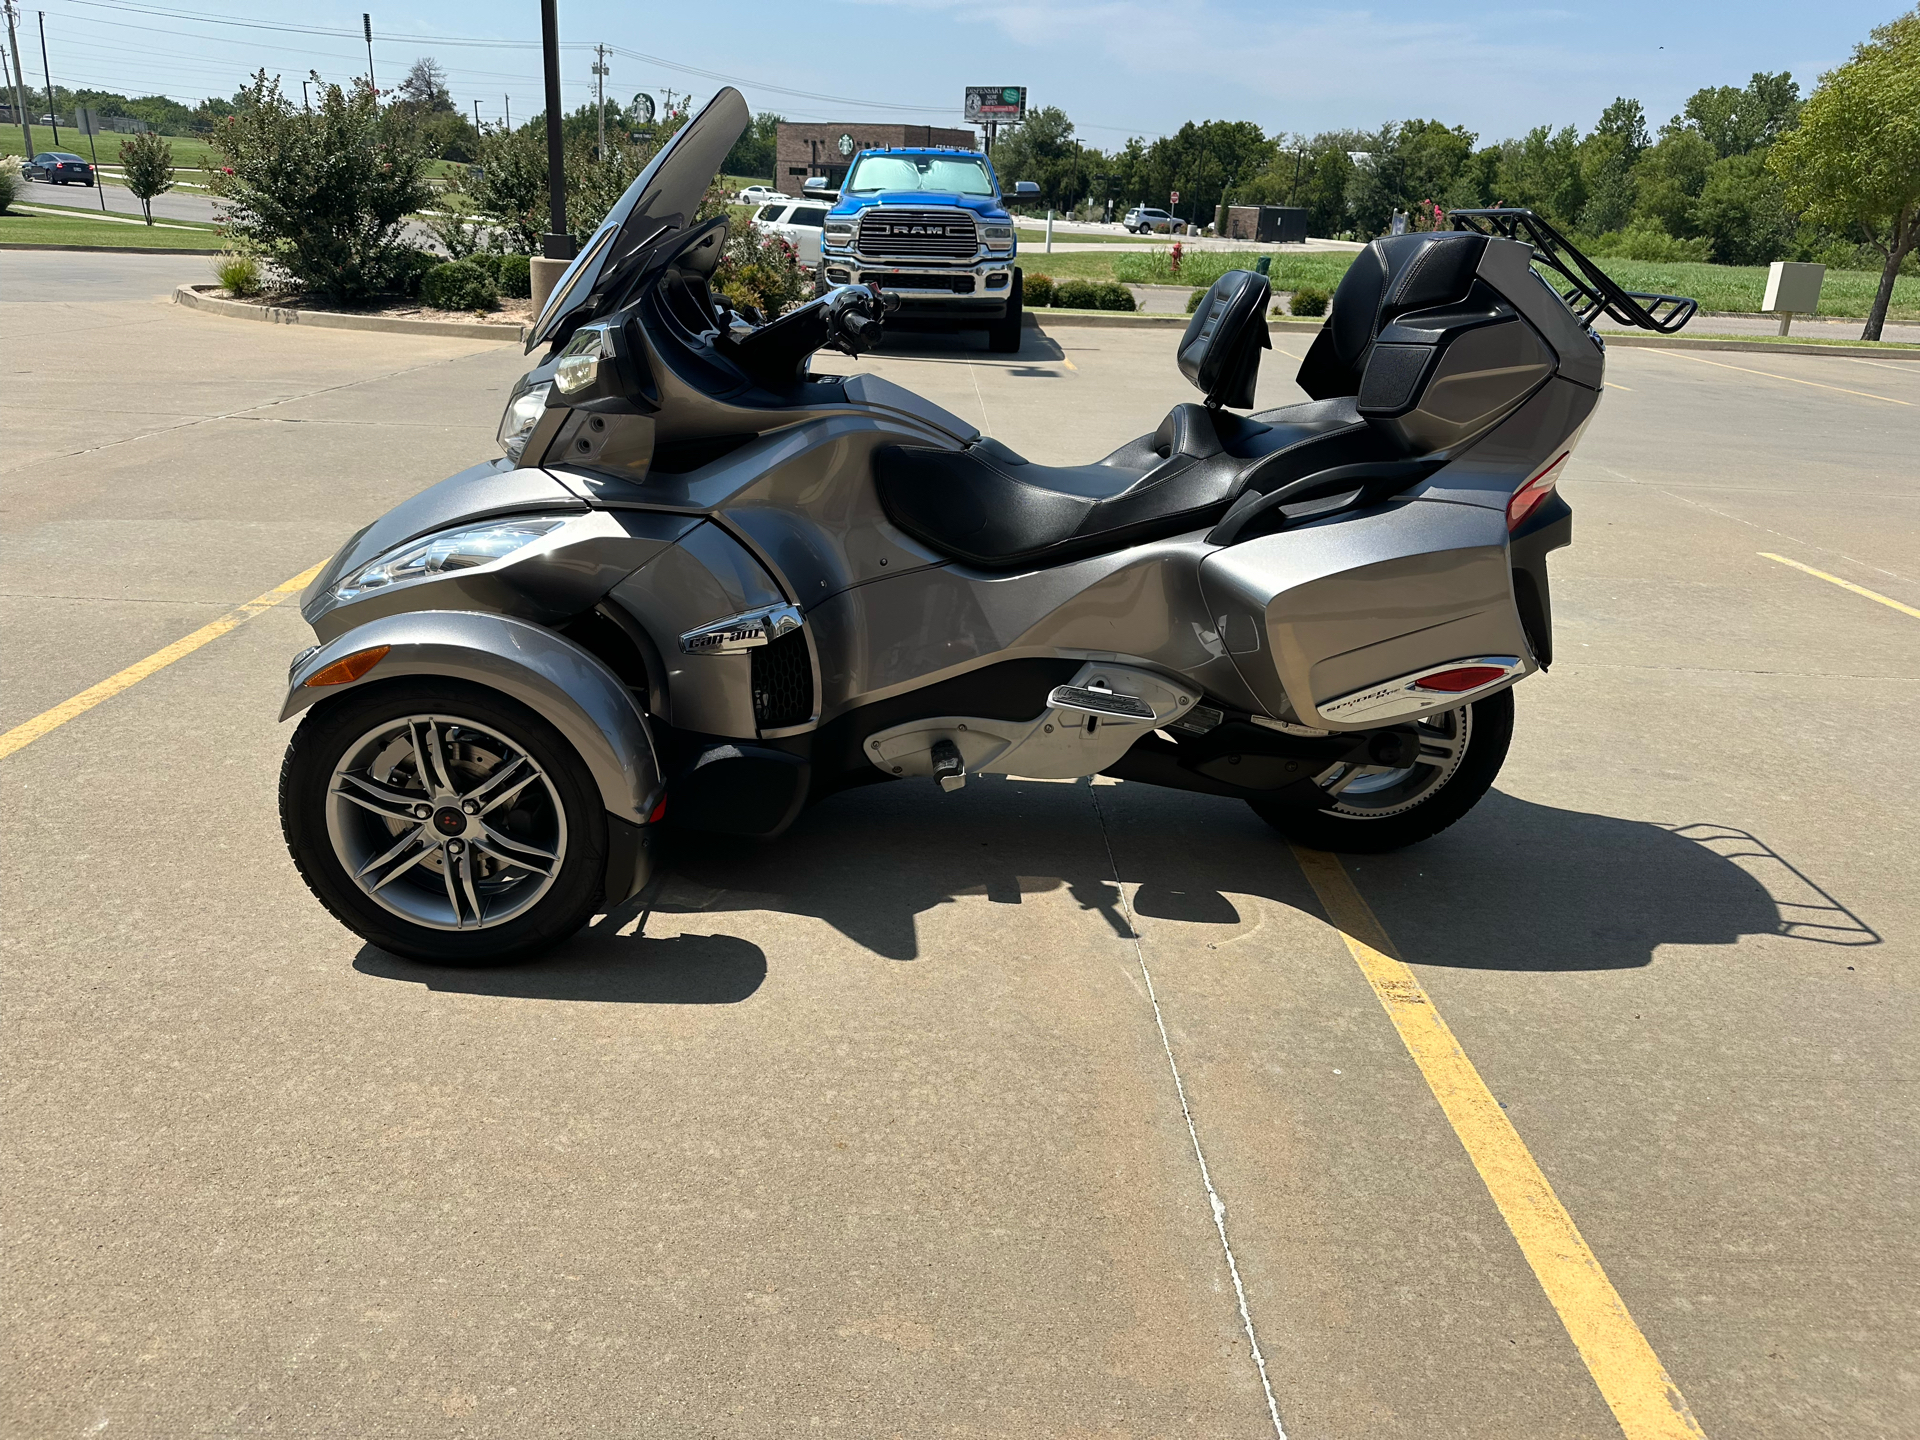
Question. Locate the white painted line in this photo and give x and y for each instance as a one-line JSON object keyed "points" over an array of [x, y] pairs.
{"points": [[1214, 1202]]}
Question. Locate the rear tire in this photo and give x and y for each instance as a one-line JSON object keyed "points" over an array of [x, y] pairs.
{"points": [[522, 875], [1397, 811]]}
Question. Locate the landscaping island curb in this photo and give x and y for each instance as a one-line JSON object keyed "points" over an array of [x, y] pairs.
{"points": [[107, 249], [1045, 318], [197, 297]]}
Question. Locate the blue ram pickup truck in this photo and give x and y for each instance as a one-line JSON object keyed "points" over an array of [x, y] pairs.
{"points": [[931, 225]]}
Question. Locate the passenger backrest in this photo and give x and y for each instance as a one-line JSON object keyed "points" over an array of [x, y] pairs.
{"points": [[1392, 276], [1220, 353]]}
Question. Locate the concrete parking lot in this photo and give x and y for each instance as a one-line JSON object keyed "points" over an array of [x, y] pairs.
{"points": [[1026, 1110]]}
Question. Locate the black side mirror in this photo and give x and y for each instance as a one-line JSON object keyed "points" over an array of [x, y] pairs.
{"points": [[1025, 189]]}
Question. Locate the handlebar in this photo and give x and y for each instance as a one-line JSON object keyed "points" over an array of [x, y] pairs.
{"points": [[856, 317]]}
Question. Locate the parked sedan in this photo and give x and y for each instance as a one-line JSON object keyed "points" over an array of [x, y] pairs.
{"points": [[798, 222], [1142, 220], [759, 195], [57, 167]]}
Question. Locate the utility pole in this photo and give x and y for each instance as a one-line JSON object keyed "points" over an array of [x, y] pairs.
{"points": [[53, 107], [19, 81], [506, 103], [366, 24], [476, 114], [558, 242], [306, 103], [600, 73]]}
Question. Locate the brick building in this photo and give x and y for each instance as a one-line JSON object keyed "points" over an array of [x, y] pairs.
{"points": [[801, 151]]}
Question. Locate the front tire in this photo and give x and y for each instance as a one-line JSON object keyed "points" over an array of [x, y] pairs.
{"points": [[1003, 336], [1379, 809], [444, 822]]}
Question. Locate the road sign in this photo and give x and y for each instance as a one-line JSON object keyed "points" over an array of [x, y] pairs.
{"points": [[1006, 103], [1173, 197]]}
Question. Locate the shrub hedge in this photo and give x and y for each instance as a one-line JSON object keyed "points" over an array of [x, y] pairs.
{"points": [[1036, 291], [459, 285], [1309, 300]]}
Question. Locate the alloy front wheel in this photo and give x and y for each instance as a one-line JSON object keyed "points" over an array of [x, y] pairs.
{"points": [[444, 822]]}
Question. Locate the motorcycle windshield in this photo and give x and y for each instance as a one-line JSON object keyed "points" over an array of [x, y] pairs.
{"points": [[656, 207]]}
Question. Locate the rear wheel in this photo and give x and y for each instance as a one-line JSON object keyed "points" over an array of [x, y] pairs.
{"points": [[1375, 808], [444, 822]]}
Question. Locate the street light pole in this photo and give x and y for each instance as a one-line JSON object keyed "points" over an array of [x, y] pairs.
{"points": [[600, 93], [366, 25], [306, 101], [19, 81], [53, 108], [557, 243]]}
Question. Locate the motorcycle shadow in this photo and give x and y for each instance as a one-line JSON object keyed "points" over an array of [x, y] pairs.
{"points": [[686, 969], [1515, 886]]}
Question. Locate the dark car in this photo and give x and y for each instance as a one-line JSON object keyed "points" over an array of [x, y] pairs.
{"points": [[58, 168]]}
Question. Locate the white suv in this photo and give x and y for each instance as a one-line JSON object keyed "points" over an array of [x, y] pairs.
{"points": [[798, 222], [1142, 220]]}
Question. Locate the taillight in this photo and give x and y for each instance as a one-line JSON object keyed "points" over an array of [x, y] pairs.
{"points": [[1536, 489], [1467, 677]]}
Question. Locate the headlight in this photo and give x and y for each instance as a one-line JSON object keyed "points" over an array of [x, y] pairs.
{"points": [[521, 415], [579, 363], [998, 237], [838, 232], [443, 553]]}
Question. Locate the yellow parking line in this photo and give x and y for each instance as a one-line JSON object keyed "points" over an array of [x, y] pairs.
{"points": [[1843, 584], [1631, 1378], [48, 720], [1793, 379]]}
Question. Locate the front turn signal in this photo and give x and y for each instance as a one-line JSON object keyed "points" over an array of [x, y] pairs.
{"points": [[349, 668]]}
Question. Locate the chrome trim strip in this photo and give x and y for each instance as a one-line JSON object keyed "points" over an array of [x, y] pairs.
{"points": [[1394, 699], [738, 633]]}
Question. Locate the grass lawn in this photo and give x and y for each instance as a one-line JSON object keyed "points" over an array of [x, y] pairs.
{"points": [[1735, 288], [41, 229], [1036, 236], [188, 154]]}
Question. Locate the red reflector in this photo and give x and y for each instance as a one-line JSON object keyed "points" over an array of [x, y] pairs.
{"points": [[350, 668], [1537, 488], [1467, 677], [659, 810]]}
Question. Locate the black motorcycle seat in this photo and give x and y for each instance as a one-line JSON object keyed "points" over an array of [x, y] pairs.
{"points": [[990, 507]]}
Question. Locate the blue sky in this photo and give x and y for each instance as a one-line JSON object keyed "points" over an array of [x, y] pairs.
{"points": [[1118, 67]]}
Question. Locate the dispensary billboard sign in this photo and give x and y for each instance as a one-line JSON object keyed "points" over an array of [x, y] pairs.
{"points": [[996, 102]]}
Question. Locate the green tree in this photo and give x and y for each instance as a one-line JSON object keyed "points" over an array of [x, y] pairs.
{"points": [[1541, 171], [148, 162], [1735, 122], [753, 152], [1853, 164], [1042, 149], [511, 188], [323, 195], [1607, 160], [1742, 212], [1669, 179], [1416, 163]]}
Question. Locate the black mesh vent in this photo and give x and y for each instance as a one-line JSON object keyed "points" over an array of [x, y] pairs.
{"points": [[783, 682]]}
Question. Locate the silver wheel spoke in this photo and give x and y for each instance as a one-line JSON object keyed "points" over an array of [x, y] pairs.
{"points": [[428, 758], [465, 863], [516, 852], [492, 792], [385, 800], [447, 864], [416, 838]]}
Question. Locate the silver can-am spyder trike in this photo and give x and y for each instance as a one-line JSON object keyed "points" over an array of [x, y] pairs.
{"points": [[708, 585]]}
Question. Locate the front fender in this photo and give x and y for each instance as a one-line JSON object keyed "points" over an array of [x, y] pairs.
{"points": [[567, 687]]}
